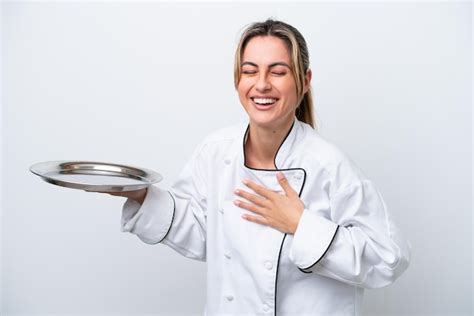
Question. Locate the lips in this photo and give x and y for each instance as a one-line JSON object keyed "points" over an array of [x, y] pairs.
{"points": [[263, 103]]}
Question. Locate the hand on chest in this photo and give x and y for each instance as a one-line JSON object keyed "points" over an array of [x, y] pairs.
{"points": [[262, 205]]}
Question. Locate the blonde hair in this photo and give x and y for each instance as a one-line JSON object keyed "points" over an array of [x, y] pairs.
{"points": [[299, 60]]}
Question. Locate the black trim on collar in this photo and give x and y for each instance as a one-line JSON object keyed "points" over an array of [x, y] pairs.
{"points": [[274, 158], [334, 236], [172, 219]]}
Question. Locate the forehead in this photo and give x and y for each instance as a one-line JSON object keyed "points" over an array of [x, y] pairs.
{"points": [[266, 50]]}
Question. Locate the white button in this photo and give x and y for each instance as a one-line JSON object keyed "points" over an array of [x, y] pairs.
{"points": [[268, 265], [221, 210], [227, 161], [266, 308], [227, 255], [297, 176], [229, 297]]}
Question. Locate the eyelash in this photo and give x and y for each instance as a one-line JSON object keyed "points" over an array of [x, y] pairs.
{"points": [[251, 72]]}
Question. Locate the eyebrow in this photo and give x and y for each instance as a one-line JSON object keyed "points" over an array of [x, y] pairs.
{"points": [[278, 63]]}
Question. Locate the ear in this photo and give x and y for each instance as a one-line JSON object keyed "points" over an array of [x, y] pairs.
{"points": [[307, 80]]}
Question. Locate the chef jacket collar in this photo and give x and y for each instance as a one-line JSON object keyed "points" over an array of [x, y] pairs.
{"points": [[283, 151]]}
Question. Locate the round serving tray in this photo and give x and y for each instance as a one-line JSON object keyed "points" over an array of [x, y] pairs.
{"points": [[95, 176]]}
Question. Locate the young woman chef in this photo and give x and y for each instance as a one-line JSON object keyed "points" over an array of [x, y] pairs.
{"points": [[287, 223]]}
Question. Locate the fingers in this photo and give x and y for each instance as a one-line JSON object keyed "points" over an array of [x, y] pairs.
{"points": [[264, 192], [282, 180], [285, 184], [255, 219], [249, 206], [251, 197], [259, 218]]}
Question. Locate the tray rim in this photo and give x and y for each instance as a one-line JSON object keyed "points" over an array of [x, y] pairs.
{"points": [[41, 168]]}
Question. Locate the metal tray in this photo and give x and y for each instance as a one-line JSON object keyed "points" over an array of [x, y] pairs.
{"points": [[95, 176]]}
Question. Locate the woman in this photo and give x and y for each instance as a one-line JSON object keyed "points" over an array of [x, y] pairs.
{"points": [[287, 223]]}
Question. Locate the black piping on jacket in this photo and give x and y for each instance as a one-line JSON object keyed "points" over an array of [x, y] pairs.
{"points": [[284, 236], [322, 256], [172, 219], [299, 194]]}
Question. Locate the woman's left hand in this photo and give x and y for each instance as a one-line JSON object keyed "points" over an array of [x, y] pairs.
{"points": [[280, 211]]}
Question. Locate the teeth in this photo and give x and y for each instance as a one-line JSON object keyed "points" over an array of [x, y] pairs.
{"points": [[264, 100]]}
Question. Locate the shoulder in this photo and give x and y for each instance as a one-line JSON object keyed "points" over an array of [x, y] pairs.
{"points": [[223, 138], [319, 148], [226, 134], [336, 163]]}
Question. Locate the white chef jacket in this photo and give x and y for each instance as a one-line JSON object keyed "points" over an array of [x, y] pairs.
{"points": [[345, 241]]}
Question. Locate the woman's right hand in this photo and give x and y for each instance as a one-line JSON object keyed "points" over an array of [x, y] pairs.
{"points": [[137, 195]]}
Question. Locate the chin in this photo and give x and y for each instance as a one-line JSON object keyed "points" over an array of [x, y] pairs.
{"points": [[265, 120]]}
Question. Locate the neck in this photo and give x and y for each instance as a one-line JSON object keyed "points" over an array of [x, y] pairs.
{"points": [[263, 143]]}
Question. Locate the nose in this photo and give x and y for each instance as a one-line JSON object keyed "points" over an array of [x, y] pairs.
{"points": [[262, 83]]}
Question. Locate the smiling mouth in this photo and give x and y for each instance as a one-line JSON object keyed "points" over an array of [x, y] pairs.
{"points": [[264, 101]]}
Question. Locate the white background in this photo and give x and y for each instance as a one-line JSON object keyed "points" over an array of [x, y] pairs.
{"points": [[143, 83]]}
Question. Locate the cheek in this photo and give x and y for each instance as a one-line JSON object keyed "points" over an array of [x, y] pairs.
{"points": [[294, 94], [242, 92], [245, 82], [289, 92], [243, 88]]}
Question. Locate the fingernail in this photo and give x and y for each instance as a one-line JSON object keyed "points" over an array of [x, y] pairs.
{"points": [[237, 191], [245, 181], [280, 176], [236, 202]]}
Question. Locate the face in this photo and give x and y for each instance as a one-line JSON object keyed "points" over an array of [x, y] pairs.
{"points": [[267, 88]]}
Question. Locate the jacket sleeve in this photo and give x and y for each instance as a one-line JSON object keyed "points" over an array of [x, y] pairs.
{"points": [[175, 217], [359, 244]]}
